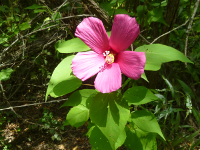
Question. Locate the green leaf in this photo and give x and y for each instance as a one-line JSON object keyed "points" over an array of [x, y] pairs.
{"points": [[5, 74], [34, 6], [109, 33], [121, 11], [77, 116], [113, 2], [186, 89], [107, 7], [169, 85], [197, 28], [66, 86], [110, 113], [138, 95], [143, 76], [196, 115], [156, 15], [141, 9], [83, 97], [57, 15], [24, 26], [121, 139], [71, 46], [3, 40], [146, 121], [177, 123], [62, 76], [98, 140], [39, 10], [139, 140], [156, 54]]}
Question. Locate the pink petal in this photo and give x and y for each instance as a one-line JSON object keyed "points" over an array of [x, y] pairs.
{"points": [[124, 31], [132, 63], [92, 32], [109, 79], [87, 64]]}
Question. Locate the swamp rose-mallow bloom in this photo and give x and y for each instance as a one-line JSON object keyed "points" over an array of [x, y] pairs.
{"points": [[109, 57]]}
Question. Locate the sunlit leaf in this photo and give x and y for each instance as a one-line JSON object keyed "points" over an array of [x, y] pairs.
{"points": [[77, 116], [138, 95], [5, 74], [146, 121], [70, 46], [83, 97], [156, 54], [24, 26], [140, 140], [62, 81], [110, 113]]}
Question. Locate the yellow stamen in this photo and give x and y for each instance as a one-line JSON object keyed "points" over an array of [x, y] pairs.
{"points": [[110, 58]]}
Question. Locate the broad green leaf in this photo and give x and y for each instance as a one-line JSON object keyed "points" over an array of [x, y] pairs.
{"points": [[156, 15], [146, 121], [5, 74], [83, 97], [98, 140], [70, 46], [62, 74], [110, 113], [138, 95], [77, 116], [24, 26], [186, 88], [34, 6], [156, 54], [121, 139], [140, 140], [66, 86]]}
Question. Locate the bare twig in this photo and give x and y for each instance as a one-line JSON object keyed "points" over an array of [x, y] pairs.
{"points": [[64, 3], [17, 39], [144, 39], [190, 26], [169, 32], [4, 95], [11, 107]]}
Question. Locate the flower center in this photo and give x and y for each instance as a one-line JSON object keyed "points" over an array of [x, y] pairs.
{"points": [[110, 58]]}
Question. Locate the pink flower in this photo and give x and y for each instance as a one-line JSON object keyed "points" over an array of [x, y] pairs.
{"points": [[108, 58]]}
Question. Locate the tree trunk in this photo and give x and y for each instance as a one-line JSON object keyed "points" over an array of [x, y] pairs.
{"points": [[170, 18], [95, 9]]}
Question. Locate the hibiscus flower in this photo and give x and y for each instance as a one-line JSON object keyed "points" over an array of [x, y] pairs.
{"points": [[109, 57]]}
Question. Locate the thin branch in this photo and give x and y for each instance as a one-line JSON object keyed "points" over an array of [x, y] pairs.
{"points": [[65, 2], [11, 107], [169, 32], [144, 39], [17, 39], [190, 26]]}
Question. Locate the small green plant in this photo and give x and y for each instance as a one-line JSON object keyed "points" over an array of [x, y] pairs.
{"points": [[50, 124]]}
